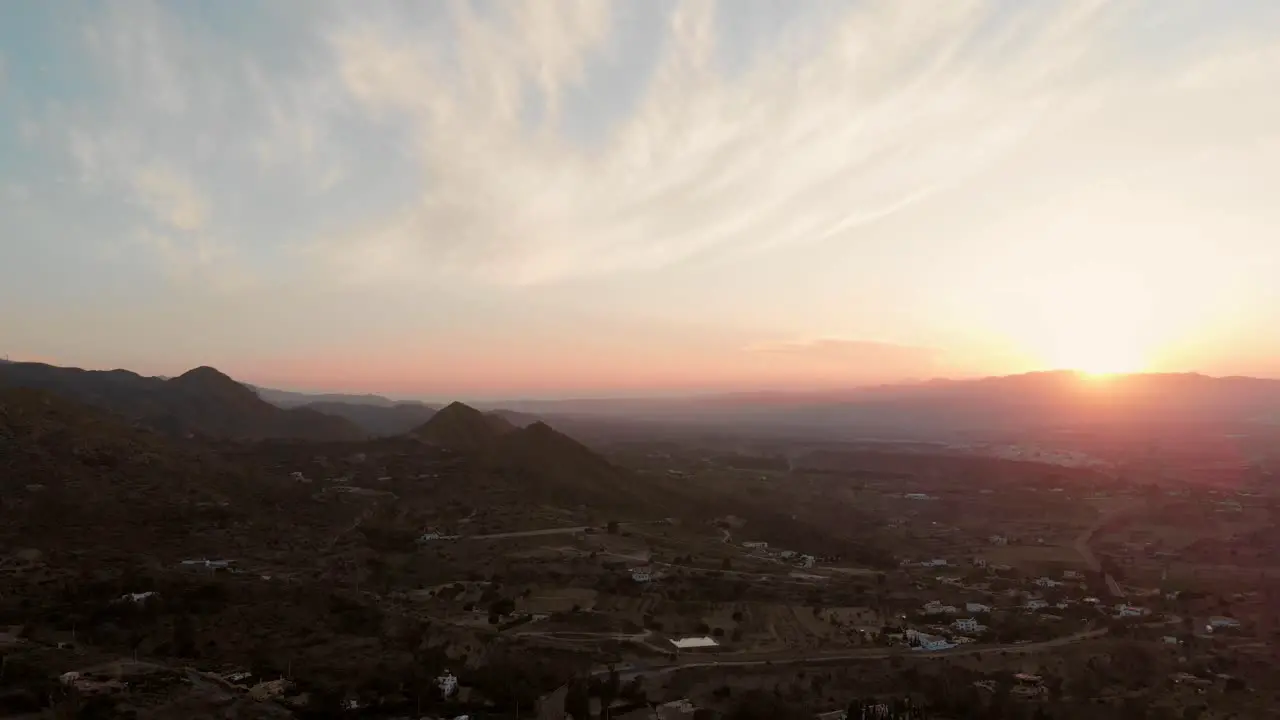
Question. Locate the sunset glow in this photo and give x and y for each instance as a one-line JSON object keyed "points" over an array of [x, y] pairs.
{"points": [[573, 197]]}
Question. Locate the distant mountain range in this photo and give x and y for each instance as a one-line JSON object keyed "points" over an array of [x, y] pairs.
{"points": [[940, 408], [207, 402]]}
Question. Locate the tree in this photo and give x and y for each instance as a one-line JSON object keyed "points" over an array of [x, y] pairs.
{"points": [[577, 704]]}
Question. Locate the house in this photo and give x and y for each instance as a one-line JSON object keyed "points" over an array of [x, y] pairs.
{"points": [[1091, 600], [998, 540], [977, 608], [428, 537], [447, 683], [806, 561], [936, 562], [979, 562], [675, 710], [787, 554], [934, 607], [137, 597], [1046, 582], [1072, 575], [968, 625], [693, 643], [1128, 611], [641, 575], [1035, 605], [931, 643], [755, 544], [1169, 640], [918, 496]]}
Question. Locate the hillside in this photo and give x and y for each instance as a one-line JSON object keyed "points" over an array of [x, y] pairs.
{"points": [[377, 420], [554, 467], [80, 479], [202, 402], [462, 428]]}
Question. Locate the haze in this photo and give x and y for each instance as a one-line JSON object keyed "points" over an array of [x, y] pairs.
{"points": [[502, 199]]}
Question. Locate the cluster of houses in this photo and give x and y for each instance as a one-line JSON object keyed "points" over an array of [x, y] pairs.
{"points": [[759, 547]]}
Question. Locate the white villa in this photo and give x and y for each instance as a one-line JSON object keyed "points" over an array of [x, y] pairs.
{"points": [[968, 625], [447, 683]]}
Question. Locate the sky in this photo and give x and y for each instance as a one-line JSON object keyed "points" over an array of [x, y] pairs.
{"points": [[582, 197]]}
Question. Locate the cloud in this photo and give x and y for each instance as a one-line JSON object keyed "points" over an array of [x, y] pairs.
{"points": [[172, 198], [401, 143], [841, 123], [844, 350]]}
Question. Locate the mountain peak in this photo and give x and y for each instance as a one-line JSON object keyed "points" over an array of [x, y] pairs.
{"points": [[205, 375], [462, 428]]}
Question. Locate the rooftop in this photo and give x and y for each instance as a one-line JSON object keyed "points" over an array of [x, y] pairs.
{"points": [[694, 642]]}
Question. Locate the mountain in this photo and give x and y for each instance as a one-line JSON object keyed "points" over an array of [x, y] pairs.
{"points": [[553, 465], [462, 428], [202, 401], [939, 409], [83, 479], [290, 399], [377, 420]]}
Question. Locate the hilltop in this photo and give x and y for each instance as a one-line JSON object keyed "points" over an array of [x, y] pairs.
{"points": [[462, 428], [201, 402]]}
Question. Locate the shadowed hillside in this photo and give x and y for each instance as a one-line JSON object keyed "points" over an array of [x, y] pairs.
{"points": [[377, 420]]}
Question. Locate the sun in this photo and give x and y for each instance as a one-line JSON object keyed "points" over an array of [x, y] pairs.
{"points": [[1101, 360], [1097, 326]]}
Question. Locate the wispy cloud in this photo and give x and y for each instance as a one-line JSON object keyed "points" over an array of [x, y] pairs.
{"points": [[171, 198], [837, 125], [858, 358]]}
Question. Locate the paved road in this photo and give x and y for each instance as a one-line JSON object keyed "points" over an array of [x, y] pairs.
{"points": [[627, 672]]}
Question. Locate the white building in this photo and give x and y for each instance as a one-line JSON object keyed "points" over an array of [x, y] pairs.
{"points": [[1221, 622], [787, 554], [977, 608], [936, 562], [932, 643], [1035, 605], [692, 643], [1046, 582], [641, 575], [1128, 611], [806, 561], [138, 597], [755, 544], [1072, 575], [1169, 640], [998, 540], [968, 625], [447, 683]]}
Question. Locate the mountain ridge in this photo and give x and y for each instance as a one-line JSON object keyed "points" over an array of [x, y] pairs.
{"points": [[202, 401]]}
